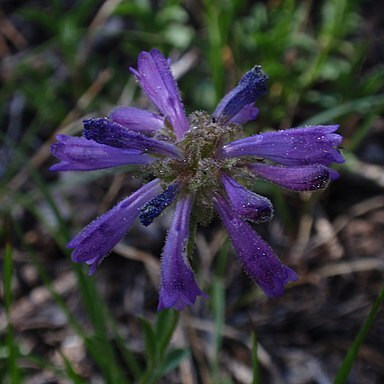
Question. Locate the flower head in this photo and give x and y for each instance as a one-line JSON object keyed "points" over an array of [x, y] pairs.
{"points": [[200, 163]]}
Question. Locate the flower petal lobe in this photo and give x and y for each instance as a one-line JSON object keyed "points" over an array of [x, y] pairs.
{"points": [[256, 256], [136, 119], [156, 80], [247, 204], [296, 146], [93, 243], [178, 285], [81, 154], [304, 178]]}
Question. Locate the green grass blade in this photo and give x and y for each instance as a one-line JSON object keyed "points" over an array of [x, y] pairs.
{"points": [[172, 360], [99, 344], [7, 277], [165, 326], [65, 373], [255, 361], [365, 127], [346, 366], [95, 306], [126, 353], [70, 372], [150, 342], [14, 372], [362, 105], [218, 303]]}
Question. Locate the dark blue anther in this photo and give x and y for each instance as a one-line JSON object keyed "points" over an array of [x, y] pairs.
{"points": [[154, 207], [108, 132], [251, 86], [103, 131]]}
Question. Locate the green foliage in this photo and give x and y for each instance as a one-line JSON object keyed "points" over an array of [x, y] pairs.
{"points": [[159, 361], [10, 353], [255, 361], [164, 26], [349, 360]]}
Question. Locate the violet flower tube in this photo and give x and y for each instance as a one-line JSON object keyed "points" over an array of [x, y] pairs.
{"points": [[179, 287], [199, 164]]}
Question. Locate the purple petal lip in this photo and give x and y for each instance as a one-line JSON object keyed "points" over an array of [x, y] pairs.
{"points": [[81, 154], [93, 243], [136, 119], [256, 256], [247, 204], [248, 113], [252, 85], [178, 285], [157, 82], [296, 146], [108, 132], [301, 178]]}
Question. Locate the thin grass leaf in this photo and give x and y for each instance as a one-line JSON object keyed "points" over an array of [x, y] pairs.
{"points": [[165, 326], [218, 16], [14, 372], [332, 28], [361, 132], [103, 354], [218, 305], [171, 361], [70, 372], [150, 342], [362, 105], [43, 275], [346, 366], [45, 364], [221, 260], [127, 355], [255, 361], [7, 278], [98, 345]]}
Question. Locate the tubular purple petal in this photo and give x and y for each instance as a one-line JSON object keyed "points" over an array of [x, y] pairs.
{"points": [[303, 178], [296, 146], [247, 204], [108, 132], [136, 119], [93, 243], [81, 154], [256, 256], [248, 113], [178, 285], [252, 85], [156, 80]]}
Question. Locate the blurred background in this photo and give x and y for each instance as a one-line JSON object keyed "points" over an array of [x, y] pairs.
{"points": [[64, 60]]}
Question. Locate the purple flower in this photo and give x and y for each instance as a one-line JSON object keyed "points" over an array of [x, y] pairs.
{"points": [[196, 163]]}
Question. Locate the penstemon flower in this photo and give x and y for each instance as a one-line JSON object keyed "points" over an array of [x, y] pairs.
{"points": [[199, 163]]}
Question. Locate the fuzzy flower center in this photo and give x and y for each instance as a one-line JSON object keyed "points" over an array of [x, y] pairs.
{"points": [[199, 169]]}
